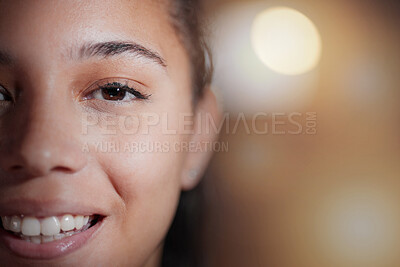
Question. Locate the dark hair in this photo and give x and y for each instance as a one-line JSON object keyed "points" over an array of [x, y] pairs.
{"points": [[183, 240], [188, 21], [182, 246]]}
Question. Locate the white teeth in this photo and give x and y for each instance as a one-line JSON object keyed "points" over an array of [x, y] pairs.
{"points": [[69, 234], [6, 222], [78, 222], [50, 226], [36, 239], [32, 229], [47, 239], [85, 220], [59, 237], [67, 223], [15, 224], [30, 226]]}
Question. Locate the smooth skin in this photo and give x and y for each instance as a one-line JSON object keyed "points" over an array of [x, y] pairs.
{"points": [[51, 119]]}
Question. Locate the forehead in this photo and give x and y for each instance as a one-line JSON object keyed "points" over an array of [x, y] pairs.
{"points": [[31, 27]]}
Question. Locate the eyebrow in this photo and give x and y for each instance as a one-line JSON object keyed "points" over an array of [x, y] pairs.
{"points": [[109, 49]]}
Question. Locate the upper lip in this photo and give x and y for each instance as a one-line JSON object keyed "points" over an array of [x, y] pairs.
{"points": [[47, 207]]}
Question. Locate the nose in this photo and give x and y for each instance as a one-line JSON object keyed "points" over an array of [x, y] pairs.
{"points": [[41, 139]]}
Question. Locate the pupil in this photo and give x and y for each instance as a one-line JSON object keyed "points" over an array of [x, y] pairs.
{"points": [[115, 94]]}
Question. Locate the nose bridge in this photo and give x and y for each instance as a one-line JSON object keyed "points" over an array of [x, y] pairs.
{"points": [[47, 136]]}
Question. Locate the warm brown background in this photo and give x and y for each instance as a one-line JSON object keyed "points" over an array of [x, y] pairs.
{"points": [[330, 199]]}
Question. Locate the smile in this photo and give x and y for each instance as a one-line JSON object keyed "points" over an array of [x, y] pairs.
{"points": [[48, 237], [49, 229]]}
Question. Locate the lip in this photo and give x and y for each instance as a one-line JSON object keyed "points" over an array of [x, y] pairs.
{"points": [[50, 250], [45, 208]]}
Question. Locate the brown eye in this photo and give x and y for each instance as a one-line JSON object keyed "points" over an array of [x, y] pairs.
{"points": [[113, 94]]}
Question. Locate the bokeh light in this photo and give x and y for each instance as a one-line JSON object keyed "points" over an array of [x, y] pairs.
{"points": [[244, 83], [359, 225], [286, 41]]}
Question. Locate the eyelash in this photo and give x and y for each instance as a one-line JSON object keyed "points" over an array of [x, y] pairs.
{"points": [[125, 88], [7, 96], [107, 86]]}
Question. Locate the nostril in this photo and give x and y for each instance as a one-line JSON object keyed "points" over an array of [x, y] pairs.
{"points": [[62, 169], [16, 168], [38, 171], [35, 158]]}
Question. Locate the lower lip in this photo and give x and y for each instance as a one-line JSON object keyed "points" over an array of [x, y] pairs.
{"points": [[49, 250]]}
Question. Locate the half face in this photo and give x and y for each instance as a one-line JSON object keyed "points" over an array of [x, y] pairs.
{"points": [[88, 175]]}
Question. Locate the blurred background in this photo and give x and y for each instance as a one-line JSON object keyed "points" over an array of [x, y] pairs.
{"points": [[327, 197]]}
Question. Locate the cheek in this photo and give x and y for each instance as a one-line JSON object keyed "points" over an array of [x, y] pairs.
{"points": [[143, 168], [145, 171], [149, 187]]}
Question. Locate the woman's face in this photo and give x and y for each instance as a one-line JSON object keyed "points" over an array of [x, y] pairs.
{"points": [[91, 95]]}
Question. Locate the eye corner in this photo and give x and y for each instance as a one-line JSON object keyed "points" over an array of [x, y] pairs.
{"points": [[5, 95]]}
